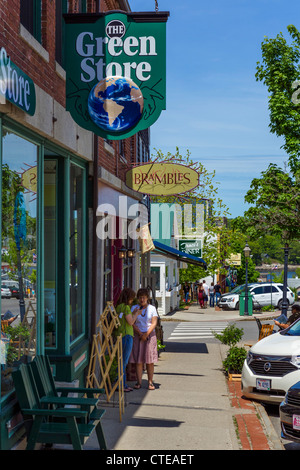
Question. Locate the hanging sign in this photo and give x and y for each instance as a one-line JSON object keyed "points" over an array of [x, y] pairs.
{"points": [[115, 71], [15, 85], [191, 247], [162, 179]]}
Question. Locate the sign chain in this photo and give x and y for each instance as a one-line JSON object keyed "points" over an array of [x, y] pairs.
{"points": [[156, 6]]}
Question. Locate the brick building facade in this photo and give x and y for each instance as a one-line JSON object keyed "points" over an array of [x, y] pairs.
{"points": [[58, 173]]}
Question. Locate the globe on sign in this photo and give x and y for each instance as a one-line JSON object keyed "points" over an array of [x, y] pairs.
{"points": [[115, 104]]}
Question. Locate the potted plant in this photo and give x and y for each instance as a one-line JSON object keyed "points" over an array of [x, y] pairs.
{"points": [[236, 356]]}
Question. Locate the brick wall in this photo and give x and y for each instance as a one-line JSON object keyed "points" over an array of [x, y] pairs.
{"points": [[39, 63]]}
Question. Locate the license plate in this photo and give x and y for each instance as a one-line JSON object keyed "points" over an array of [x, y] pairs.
{"points": [[263, 384], [296, 422]]}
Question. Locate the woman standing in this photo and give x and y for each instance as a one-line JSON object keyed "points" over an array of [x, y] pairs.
{"points": [[144, 349], [127, 319]]}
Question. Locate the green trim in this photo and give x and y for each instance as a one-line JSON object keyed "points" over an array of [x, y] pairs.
{"points": [[40, 330], [66, 238]]}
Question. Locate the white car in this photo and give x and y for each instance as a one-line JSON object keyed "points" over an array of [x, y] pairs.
{"points": [[263, 294], [272, 366], [5, 292]]}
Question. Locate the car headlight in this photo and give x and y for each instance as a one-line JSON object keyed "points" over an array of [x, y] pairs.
{"points": [[296, 361], [230, 299], [249, 357]]}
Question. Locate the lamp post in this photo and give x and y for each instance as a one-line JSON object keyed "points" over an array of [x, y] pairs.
{"points": [[284, 307], [247, 252]]}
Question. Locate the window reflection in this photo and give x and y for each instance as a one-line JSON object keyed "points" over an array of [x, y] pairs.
{"points": [[76, 267], [18, 254], [50, 252]]}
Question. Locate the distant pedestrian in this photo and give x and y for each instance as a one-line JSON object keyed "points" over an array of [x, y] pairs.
{"points": [[201, 295], [186, 290], [212, 295], [206, 293], [218, 292]]}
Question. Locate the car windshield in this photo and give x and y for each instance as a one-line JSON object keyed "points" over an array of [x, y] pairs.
{"points": [[293, 330], [237, 289]]}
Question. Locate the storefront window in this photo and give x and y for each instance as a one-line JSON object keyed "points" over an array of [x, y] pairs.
{"points": [[50, 293], [76, 251], [155, 270], [19, 254]]}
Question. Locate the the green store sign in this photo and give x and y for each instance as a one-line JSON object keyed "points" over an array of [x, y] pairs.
{"points": [[115, 71], [15, 85]]}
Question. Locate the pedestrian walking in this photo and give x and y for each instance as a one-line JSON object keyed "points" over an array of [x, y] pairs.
{"points": [[212, 295], [127, 319], [218, 292], [186, 290], [206, 292], [144, 349], [201, 295]]}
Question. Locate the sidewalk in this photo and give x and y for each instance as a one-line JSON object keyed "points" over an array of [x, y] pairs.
{"points": [[194, 407]]}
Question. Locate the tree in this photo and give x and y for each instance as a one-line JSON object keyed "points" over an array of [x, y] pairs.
{"points": [[280, 71], [216, 234], [276, 193], [277, 205]]}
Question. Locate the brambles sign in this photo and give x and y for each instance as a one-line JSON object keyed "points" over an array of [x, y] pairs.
{"points": [[115, 71], [162, 179]]}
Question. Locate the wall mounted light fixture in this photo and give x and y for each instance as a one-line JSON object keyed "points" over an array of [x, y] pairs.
{"points": [[122, 252]]}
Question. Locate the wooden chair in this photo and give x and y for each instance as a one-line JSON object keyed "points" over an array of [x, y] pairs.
{"points": [[263, 330], [47, 420]]}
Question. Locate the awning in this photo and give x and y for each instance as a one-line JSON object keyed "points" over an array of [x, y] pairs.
{"points": [[178, 255]]}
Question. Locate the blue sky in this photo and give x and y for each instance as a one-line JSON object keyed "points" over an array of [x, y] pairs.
{"points": [[215, 107]]}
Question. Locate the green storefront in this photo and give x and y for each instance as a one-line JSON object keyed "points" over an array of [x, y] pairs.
{"points": [[44, 250]]}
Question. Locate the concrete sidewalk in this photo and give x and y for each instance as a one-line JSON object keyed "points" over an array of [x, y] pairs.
{"points": [[193, 407]]}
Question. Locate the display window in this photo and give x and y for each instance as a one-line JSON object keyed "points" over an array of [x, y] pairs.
{"points": [[43, 252]]}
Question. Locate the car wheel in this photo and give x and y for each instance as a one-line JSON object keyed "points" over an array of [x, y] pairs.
{"points": [[237, 306], [280, 304]]}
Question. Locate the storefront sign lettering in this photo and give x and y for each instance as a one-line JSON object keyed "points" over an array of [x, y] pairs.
{"points": [[162, 179], [115, 71], [15, 85]]}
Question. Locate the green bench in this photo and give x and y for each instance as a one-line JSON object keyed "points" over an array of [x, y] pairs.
{"points": [[46, 418]]}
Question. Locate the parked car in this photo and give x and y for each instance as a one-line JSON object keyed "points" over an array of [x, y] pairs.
{"points": [[289, 412], [15, 292], [5, 292], [272, 366], [262, 294]]}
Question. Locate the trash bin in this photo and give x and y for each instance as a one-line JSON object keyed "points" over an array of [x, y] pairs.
{"points": [[242, 304]]}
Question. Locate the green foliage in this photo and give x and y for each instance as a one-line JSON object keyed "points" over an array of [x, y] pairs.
{"points": [[230, 336], [160, 347], [278, 70], [275, 197], [235, 359], [267, 308], [216, 246], [236, 355], [15, 334], [113, 371]]}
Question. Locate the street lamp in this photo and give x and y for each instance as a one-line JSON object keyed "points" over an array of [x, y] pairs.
{"points": [[285, 304], [247, 252]]}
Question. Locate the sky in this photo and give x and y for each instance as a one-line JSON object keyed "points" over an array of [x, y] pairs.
{"points": [[215, 107]]}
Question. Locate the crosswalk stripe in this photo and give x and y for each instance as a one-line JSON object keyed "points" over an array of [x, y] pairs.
{"points": [[196, 330]]}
